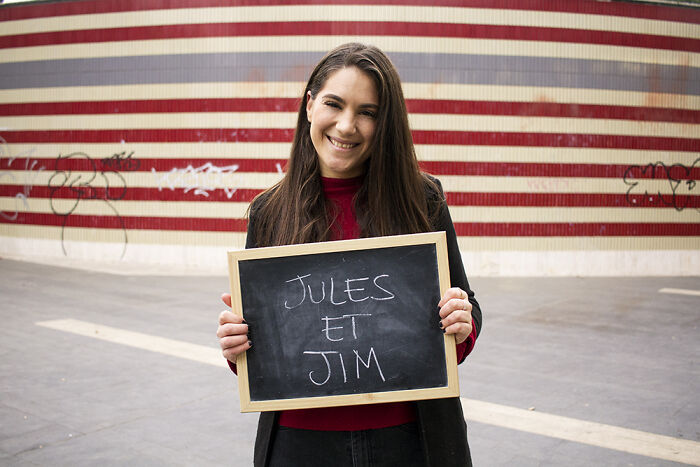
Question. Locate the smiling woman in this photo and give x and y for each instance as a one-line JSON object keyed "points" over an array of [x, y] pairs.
{"points": [[353, 172]]}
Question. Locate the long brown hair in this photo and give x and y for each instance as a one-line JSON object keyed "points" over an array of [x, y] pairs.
{"points": [[393, 198]]}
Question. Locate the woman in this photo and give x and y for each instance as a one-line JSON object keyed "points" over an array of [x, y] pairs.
{"points": [[353, 173]]}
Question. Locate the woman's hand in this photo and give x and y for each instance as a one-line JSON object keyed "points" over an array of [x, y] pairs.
{"points": [[232, 332], [456, 314]]}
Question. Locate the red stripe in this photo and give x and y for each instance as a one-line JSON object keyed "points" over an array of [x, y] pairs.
{"points": [[262, 104], [633, 10], [585, 200], [123, 163], [551, 109], [561, 140], [480, 229], [473, 168], [369, 28], [524, 169], [416, 106], [593, 229], [215, 135], [131, 194], [273, 135], [132, 222]]}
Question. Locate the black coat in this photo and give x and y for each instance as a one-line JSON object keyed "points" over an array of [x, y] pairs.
{"points": [[441, 421]]}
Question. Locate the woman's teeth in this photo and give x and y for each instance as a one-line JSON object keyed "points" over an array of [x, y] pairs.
{"points": [[338, 144]]}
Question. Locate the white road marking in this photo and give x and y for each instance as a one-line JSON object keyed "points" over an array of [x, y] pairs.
{"points": [[174, 348], [681, 291], [554, 426], [581, 431]]}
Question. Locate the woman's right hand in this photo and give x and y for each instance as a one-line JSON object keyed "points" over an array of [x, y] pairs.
{"points": [[232, 332]]}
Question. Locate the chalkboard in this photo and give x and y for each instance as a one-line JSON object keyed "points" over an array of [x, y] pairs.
{"points": [[344, 322]]}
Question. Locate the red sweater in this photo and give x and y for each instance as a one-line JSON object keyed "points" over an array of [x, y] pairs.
{"points": [[355, 417]]}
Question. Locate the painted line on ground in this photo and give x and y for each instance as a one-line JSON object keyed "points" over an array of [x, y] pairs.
{"points": [[680, 291], [553, 426], [171, 347], [585, 432]]}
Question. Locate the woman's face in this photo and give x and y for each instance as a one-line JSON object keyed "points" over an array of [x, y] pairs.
{"points": [[343, 121]]}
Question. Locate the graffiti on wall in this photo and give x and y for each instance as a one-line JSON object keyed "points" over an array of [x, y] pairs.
{"points": [[96, 180], [31, 168], [199, 180], [643, 180]]}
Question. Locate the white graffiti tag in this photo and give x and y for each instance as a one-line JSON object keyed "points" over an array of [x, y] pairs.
{"points": [[30, 169], [200, 180]]}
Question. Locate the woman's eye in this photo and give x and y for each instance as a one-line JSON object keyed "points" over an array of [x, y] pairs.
{"points": [[335, 105], [368, 113]]}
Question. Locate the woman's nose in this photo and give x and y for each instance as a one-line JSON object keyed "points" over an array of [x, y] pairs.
{"points": [[346, 123]]}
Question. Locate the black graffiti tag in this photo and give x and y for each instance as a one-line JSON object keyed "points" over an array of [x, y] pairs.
{"points": [[96, 180], [640, 179]]}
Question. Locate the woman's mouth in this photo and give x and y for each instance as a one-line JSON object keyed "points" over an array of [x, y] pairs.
{"points": [[341, 145]]}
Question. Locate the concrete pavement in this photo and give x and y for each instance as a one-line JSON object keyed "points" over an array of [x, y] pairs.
{"points": [[612, 351]]}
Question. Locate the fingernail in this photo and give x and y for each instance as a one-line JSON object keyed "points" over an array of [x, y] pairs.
{"points": [[245, 322], [250, 343], [441, 325]]}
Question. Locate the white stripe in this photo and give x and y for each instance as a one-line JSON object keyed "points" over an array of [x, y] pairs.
{"points": [[19, 153], [141, 208], [180, 177], [237, 210], [555, 426], [322, 44], [154, 246], [460, 92], [287, 120], [145, 244], [260, 180], [680, 291], [581, 431], [686, 260], [392, 13]]}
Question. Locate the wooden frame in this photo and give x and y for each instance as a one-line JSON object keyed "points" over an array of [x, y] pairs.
{"points": [[436, 238]]}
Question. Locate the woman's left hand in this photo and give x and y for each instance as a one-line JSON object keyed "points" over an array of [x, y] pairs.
{"points": [[456, 314]]}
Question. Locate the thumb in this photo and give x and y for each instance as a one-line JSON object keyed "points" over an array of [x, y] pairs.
{"points": [[226, 298]]}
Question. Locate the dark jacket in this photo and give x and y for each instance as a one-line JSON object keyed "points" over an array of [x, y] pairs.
{"points": [[441, 421]]}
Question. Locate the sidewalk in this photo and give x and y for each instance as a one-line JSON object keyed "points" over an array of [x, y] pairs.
{"points": [[612, 351]]}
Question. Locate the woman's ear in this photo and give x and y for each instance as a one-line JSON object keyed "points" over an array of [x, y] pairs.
{"points": [[309, 104]]}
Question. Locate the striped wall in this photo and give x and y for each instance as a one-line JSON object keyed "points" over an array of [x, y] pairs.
{"points": [[566, 133]]}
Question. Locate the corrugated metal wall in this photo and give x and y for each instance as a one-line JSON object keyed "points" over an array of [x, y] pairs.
{"points": [[565, 133]]}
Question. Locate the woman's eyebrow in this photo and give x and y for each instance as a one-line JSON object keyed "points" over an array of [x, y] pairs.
{"points": [[342, 101]]}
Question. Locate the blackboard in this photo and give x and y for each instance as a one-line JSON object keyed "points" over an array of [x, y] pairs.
{"points": [[342, 323]]}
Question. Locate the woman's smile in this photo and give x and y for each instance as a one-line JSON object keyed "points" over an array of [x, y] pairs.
{"points": [[339, 144]]}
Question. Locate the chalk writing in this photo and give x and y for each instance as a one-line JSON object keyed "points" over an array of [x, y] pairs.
{"points": [[31, 170], [328, 366], [678, 178], [334, 328], [352, 317], [354, 293], [200, 180], [358, 360], [65, 184]]}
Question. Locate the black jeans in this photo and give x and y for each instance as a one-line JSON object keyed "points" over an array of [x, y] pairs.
{"points": [[397, 445]]}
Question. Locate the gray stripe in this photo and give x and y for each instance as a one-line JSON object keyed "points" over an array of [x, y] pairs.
{"points": [[413, 68]]}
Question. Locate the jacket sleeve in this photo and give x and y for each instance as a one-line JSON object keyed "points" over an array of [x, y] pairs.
{"points": [[458, 278]]}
